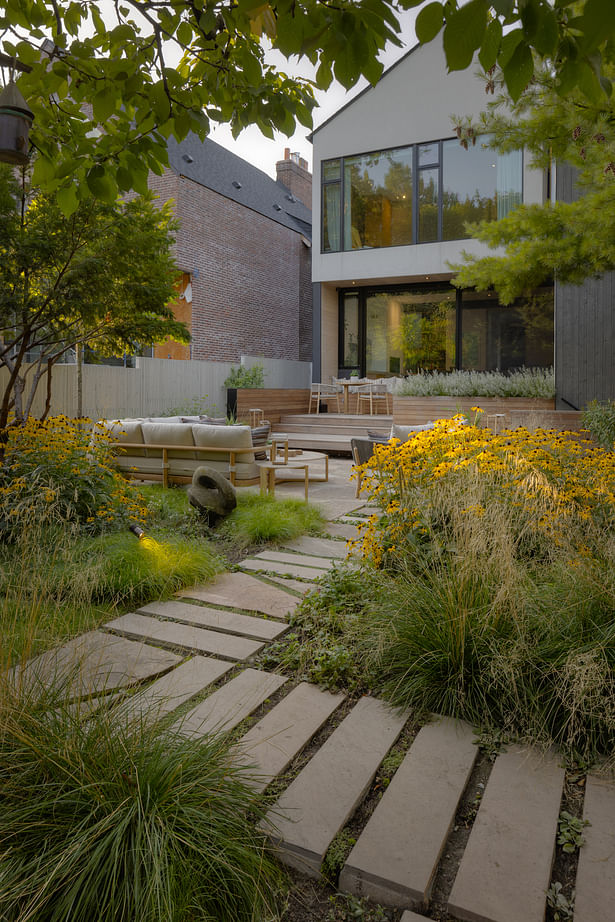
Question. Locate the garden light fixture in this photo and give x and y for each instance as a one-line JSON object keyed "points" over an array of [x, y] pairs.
{"points": [[137, 531], [15, 123]]}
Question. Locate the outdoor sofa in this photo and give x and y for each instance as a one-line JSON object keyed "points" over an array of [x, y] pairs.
{"points": [[169, 449]]}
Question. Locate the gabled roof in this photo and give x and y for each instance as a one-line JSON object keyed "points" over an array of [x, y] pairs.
{"points": [[215, 167]]}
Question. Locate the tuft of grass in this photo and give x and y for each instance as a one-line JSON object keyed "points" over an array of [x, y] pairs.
{"points": [[259, 519], [106, 819]]}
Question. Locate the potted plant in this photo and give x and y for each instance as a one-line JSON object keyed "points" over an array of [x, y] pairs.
{"points": [[241, 377]]}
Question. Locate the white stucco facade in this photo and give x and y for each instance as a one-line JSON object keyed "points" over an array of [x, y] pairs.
{"points": [[413, 103]]}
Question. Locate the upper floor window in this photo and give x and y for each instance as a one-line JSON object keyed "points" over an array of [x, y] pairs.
{"points": [[416, 194]]}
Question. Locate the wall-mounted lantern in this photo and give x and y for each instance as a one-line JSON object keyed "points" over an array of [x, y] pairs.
{"points": [[15, 123]]}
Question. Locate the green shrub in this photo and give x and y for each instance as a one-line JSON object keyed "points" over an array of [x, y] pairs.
{"points": [[599, 418], [258, 519], [246, 377], [107, 820]]}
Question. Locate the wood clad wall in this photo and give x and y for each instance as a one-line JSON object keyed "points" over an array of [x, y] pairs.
{"points": [[413, 411], [274, 402], [584, 328]]}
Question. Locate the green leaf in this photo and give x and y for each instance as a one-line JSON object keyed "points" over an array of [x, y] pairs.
{"points": [[598, 23], [44, 170], [103, 104], [184, 33], [429, 22], [519, 70], [67, 200], [509, 45], [463, 34], [488, 53], [503, 7], [101, 184]]}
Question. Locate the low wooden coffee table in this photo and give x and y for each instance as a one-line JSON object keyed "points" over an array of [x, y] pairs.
{"points": [[270, 471]]}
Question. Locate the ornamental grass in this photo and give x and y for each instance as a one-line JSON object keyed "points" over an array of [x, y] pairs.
{"points": [[497, 552]]}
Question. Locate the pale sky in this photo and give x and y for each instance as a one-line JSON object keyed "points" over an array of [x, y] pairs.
{"points": [[262, 152]]}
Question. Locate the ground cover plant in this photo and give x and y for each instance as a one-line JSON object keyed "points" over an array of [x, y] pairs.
{"points": [[501, 552], [113, 819], [599, 419], [525, 382]]}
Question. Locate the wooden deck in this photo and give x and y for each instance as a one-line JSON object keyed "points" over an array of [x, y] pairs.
{"points": [[328, 431]]}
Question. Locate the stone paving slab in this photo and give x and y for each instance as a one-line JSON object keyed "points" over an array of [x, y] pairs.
{"points": [[274, 741], [396, 856], [408, 916], [185, 636], [595, 886], [289, 583], [319, 547], [506, 868], [285, 569], [96, 662], [174, 688], [229, 705], [316, 805], [240, 590], [319, 563], [342, 530], [228, 622]]}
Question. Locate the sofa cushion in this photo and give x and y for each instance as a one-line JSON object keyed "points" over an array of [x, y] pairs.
{"points": [[226, 437], [125, 430], [162, 419], [176, 434], [260, 436], [407, 432]]}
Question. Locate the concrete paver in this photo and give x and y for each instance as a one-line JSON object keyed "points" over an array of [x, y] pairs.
{"points": [[185, 636], [317, 804], [285, 569], [506, 867], [226, 621], [229, 705], [289, 583], [96, 662], [167, 693], [320, 563], [409, 916], [240, 590], [396, 856], [595, 888], [320, 547], [342, 530], [274, 741]]}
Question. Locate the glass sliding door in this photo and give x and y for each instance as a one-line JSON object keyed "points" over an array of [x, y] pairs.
{"points": [[500, 338], [350, 332]]}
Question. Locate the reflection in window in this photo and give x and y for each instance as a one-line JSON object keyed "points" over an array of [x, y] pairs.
{"points": [[409, 331], [350, 331], [378, 199], [428, 205], [331, 218], [503, 338]]}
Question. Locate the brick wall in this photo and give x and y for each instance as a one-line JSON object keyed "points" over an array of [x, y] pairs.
{"points": [[253, 292]]}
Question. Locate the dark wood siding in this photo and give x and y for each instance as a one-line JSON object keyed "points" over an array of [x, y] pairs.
{"points": [[584, 329]]}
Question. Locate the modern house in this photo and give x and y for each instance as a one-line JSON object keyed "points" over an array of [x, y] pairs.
{"points": [[393, 187], [244, 250]]}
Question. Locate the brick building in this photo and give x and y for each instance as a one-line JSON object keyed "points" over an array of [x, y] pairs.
{"points": [[244, 249]]}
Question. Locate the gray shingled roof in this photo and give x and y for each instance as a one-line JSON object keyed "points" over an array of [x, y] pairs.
{"points": [[217, 168]]}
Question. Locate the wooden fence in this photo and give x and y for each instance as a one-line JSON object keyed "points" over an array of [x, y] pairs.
{"points": [[274, 402]]}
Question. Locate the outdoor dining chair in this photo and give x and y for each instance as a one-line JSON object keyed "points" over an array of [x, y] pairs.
{"points": [[321, 393], [376, 396]]}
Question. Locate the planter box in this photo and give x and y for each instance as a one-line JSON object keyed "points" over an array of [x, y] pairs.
{"points": [[517, 411]]}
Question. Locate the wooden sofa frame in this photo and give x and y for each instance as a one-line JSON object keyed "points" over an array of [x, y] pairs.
{"points": [[167, 478]]}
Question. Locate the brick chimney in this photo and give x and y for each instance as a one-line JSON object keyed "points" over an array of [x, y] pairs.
{"points": [[294, 174]]}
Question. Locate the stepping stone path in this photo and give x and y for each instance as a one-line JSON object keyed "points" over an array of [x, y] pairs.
{"points": [[226, 621], [395, 859], [595, 889], [240, 590], [317, 804], [505, 869], [175, 635], [511, 846]]}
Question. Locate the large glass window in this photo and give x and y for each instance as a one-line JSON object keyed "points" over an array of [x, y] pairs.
{"points": [[350, 331], [494, 337], [409, 330], [378, 199], [449, 185]]}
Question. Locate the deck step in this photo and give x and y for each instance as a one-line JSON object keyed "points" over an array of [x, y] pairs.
{"points": [[240, 590], [228, 622], [272, 743], [316, 805], [183, 636], [397, 854], [595, 886], [506, 868], [229, 705]]}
